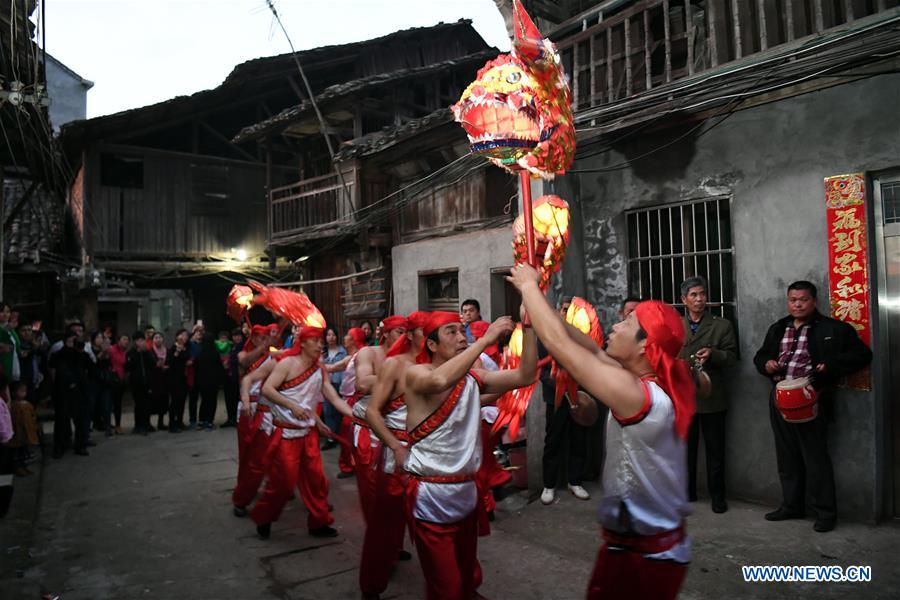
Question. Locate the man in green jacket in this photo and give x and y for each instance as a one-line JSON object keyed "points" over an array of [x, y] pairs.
{"points": [[709, 341]]}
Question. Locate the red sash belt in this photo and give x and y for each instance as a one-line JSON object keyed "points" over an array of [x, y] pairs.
{"points": [[443, 478], [396, 403], [351, 400], [254, 398], [261, 408], [360, 422], [645, 544], [288, 424]]}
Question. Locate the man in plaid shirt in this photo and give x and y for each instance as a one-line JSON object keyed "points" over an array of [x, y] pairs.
{"points": [[808, 344]]}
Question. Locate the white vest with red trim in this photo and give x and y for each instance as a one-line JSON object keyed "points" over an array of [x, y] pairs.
{"points": [[348, 383], [307, 395], [256, 392], [452, 449], [645, 474], [395, 419]]}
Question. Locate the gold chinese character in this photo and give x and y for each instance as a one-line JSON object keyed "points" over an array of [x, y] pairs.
{"points": [[846, 264], [845, 288], [848, 310], [846, 219], [847, 242]]}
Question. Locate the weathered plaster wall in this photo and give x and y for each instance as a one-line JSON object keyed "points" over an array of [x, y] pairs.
{"points": [[473, 254], [771, 159]]}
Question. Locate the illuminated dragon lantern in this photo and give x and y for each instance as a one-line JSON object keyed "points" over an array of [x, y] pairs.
{"points": [[551, 236], [518, 111], [296, 307], [583, 316]]}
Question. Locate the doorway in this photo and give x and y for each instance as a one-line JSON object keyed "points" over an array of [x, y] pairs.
{"points": [[887, 240]]}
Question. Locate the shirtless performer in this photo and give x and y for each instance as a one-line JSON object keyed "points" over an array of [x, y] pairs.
{"points": [[650, 394], [386, 416], [295, 387], [443, 401], [368, 363]]}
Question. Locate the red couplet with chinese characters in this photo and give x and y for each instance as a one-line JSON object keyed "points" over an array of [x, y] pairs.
{"points": [[848, 279]]}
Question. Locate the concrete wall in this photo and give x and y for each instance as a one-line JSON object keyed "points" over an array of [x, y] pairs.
{"points": [[772, 160], [473, 254], [68, 94]]}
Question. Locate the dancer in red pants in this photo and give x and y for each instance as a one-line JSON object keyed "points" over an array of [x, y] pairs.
{"points": [[443, 401], [650, 394], [386, 415], [295, 387], [368, 366]]}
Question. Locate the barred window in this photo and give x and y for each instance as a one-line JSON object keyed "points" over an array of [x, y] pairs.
{"points": [[670, 243]]}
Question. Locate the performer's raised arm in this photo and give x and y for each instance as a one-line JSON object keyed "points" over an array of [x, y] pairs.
{"points": [[440, 379], [497, 382], [603, 378]]}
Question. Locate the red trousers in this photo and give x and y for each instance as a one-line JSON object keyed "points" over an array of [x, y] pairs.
{"points": [[623, 574], [490, 474], [345, 460], [295, 462], [385, 528], [448, 553], [251, 466], [365, 472]]}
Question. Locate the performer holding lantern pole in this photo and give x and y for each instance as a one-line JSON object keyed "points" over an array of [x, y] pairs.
{"points": [[650, 393]]}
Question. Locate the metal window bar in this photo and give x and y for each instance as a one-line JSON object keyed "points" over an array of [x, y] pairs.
{"points": [[647, 265]]}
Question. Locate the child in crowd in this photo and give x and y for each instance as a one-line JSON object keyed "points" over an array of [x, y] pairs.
{"points": [[223, 346], [24, 425]]}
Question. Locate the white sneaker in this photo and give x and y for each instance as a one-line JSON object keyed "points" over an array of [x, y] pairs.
{"points": [[548, 496], [579, 492]]}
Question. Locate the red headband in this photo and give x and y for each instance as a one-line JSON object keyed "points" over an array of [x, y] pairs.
{"points": [[359, 337], [416, 320], [665, 339], [391, 323], [258, 330], [306, 333], [436, 320]]}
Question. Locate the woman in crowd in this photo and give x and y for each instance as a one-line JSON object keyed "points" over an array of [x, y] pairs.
{"points": [[334, 353], [118, 354], [176, 378], [369, 330], [210, 375], [159, 395]]}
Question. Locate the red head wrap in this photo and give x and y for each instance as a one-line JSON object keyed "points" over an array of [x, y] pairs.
{"points": [[359, 337], [436, 320], [306, 333], [260, 330], [478, 329], [391, 323], [416, 320], [665, 338]]}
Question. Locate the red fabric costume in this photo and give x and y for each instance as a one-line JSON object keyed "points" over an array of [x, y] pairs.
{"points": [[622, 568], [293, 457], [346, 460], [386, 526], [443, 503]]}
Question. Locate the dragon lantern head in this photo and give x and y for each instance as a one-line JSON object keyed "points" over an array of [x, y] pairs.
{"points": [[518, 111]]}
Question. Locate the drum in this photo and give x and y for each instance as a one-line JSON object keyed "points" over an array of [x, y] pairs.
{"points": [[796, 400]]}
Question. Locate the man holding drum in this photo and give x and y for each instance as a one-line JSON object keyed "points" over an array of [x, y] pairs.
{"points": [[805, 354]]}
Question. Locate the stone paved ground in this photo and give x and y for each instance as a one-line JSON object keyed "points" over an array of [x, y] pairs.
{"points": [[149, 517]]}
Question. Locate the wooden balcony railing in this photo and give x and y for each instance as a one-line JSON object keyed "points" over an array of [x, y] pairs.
{"points": [[654, 42], [313, 207]]}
